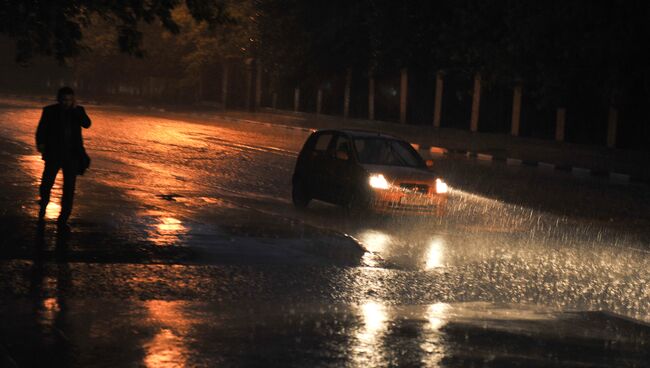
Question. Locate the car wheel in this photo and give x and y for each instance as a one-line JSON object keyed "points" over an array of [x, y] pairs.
{"points": [[299, 195]]}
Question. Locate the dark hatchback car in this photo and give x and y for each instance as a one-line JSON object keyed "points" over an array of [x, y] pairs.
{"points": [[366, 170]]}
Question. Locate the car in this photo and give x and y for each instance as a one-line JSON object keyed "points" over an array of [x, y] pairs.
{"points": [[364, 170]]}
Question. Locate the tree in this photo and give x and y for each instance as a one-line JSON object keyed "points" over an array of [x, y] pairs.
{"points": [[57, 27], [179, 60]]}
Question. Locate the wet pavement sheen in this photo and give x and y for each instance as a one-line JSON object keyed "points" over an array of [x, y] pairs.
{"points": [[186, 251]]}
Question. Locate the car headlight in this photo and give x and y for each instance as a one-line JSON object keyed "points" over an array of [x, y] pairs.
{"points": [[378, 181], [441, 186]]}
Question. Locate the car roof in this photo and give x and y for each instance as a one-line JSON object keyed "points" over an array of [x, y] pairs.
{"points": [[354, 133]]}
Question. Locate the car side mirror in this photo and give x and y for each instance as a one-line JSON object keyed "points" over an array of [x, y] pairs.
{"points": [[342, 155], [429, 163]]}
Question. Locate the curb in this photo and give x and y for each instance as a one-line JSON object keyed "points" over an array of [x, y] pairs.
{"points": [[435, 151], [577, 171], [268, 124]]}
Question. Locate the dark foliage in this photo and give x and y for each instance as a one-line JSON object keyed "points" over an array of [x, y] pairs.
{"points": [[56, 27]]}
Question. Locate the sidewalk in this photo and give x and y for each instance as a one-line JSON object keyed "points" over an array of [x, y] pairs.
{"points": [[621, 165]]}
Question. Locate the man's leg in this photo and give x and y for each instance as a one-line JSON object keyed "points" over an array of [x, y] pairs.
{"points": [[47, 181], [69, 182]]}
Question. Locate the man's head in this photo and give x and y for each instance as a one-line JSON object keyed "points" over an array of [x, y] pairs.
{"points": [[65, 96]]}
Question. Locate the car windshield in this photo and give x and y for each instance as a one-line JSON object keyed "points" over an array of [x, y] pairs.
{"points": [[382, 151]]}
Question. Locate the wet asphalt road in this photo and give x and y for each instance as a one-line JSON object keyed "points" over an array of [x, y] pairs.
{"points": [[183, 233]]}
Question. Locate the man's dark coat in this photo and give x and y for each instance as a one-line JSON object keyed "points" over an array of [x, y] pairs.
{"points": [[51, 133]]}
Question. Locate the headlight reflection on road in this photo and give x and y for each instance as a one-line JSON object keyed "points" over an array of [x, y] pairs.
{"points": [[374, 240], [374, 317], [369, 346], [437, 314], [435, 254]]}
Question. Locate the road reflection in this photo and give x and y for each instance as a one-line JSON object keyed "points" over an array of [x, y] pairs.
{"points": [[375, 243], [400, 335], [435, 253], [164, 228], [49, 286], [434, 346], [374, 240], [34, 166], [167, 348], [437, 315], [368, 339], [514, 253], [403, 248], [374, 321], [49, 310]]}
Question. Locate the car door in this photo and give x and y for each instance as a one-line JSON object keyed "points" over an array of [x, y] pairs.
{"points": [[320, 167], [341, 170]]}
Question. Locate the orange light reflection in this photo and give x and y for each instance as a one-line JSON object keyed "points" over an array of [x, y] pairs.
{"points": [[34, 167], [167, 348], [166, 230]]}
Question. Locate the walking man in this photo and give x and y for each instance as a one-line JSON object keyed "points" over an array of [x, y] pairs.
{"points": [[59, 140]]}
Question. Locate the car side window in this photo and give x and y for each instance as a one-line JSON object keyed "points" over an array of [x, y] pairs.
{"points": [[322, 143], [342, 144]]}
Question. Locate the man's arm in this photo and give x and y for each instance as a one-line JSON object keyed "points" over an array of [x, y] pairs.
{"points": [[41, 132], [84, 120]]}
